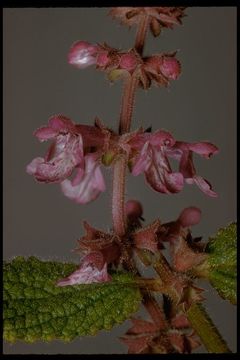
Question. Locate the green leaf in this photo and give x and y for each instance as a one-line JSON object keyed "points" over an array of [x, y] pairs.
{"points": [[222, 262], [35, 309]]}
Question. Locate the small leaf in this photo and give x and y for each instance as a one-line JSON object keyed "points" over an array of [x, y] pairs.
{"points": [[36, 309], [222, 262]]}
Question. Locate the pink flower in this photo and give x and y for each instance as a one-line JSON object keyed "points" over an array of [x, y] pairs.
{"points": [[153, 151], [64, 154], [82, 54], [87, 184], [89, 271], [152, 160], [69, 151], [183, 152]]}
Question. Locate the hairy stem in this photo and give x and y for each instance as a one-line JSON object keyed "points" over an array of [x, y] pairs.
{"points": [[196, 314], [206, 330], [141, 34], [119, 169], [119, 222], [155, 311], [130, 87], [131, 82]]}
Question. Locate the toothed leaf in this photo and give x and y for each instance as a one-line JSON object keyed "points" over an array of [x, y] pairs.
{"points": [[34, 308], [222, 262]]}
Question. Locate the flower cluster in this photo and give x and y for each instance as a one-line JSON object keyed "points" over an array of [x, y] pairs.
{"points": [[160, 68], [83, 148], [77, 152]]}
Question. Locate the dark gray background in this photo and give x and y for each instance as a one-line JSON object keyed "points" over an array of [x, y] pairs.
{"points": [[38, 82]]}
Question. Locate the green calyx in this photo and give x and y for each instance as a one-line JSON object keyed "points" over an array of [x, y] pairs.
{"points": [[221, 264], [108, 157], [34, 308]]}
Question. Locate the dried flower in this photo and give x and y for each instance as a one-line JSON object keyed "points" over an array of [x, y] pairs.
{"points": [[158, 17]]}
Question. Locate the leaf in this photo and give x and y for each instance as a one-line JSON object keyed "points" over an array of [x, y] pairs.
{"points": [[222, 262], [35, 309]]}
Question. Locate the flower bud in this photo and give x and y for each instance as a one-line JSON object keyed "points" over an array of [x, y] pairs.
{"points": [[128, 62], [189, 216], [82, 54], [170, 67], [133, 209], [102, 59]]}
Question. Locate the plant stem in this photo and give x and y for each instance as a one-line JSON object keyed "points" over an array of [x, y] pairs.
{"points": [[129, 90], [206, 330], [118, 215], [196, 314], [119, 169], [155, 311], [119, 172], [141, 34]]}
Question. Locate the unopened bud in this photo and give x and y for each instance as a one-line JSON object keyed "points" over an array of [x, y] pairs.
{"points": [[189, 216], [133, 210], [170, 67], [128, 62], [82, 54]]}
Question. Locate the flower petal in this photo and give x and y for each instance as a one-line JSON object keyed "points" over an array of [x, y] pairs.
{"points": [[90, 184], [61, 123], [63, 157], [162, 138], [86, 274], [203, 148], [205, 186], [32, 167], [161, 179], [143, 161], [45, 133]]}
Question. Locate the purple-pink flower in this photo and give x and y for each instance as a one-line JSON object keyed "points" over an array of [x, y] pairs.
{"points": [[91, 270], [153, 162], [150, 156], [183, 152], [71, 150], [65, 153], [82, 54], [87, 184]]}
